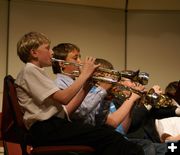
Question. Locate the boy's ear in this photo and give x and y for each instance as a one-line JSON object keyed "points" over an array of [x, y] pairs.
{"points": [[33, 53], [63, 64]]}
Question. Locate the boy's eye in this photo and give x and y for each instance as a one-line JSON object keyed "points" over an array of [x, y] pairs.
{"points": [[75, 58]]}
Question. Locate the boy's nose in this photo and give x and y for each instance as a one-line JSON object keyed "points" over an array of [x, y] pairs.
{"points": [[79, 61], [52, 52]]}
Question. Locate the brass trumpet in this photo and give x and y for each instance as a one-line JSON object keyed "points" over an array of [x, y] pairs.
{"points": [[147, 97], [136, 76], [121, 91], [155, 100], [98, 75], [118, 90]]}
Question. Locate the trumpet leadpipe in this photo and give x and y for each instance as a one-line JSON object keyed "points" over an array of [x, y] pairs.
{"points": [[63, 62]]}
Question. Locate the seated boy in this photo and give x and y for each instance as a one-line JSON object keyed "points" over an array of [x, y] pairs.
{"points": [[43, 103], [90, 110]]}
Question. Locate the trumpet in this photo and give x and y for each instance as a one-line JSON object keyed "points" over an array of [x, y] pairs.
{"points": [[154, 99], [118, 91], [124, 92], [136, 76], [121, 91], [147, 97], [98, 75]]}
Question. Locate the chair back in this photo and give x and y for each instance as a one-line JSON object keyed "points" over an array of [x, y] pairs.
{"points": [[13, 129]]}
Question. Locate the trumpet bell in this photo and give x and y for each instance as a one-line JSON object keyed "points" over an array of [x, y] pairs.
{"points": [[152, 97], [143, 78], [156, 100], [136, 76]]}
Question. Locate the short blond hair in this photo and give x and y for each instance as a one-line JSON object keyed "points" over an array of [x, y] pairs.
{"points": [[29, 41]]}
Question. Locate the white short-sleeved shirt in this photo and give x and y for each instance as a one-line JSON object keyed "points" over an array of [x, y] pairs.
{"points": [[34, 91]]}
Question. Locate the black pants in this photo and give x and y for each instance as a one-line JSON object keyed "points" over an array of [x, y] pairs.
{"points": [[106, 141]]}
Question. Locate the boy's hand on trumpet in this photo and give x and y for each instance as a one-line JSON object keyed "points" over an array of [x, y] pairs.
{"points": [[157, 89], [88, 67]]}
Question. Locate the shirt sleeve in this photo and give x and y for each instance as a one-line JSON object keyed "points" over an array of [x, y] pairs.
{"points": [[90, 103], [39, 85]]}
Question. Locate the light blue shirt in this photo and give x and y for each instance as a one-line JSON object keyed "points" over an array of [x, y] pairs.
{"points": [[91, 103], [112, 109], [94, 109]]}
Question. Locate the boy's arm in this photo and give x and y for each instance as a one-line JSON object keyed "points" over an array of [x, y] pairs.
{"points": [[117, 117], [77, 99], [90, 103], [66, 95], [127, 122]]}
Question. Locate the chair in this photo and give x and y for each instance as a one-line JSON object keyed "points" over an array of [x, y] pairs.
{"points": [[13, 129]]}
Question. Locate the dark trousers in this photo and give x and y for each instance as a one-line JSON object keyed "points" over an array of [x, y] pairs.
{"points": [[146, 144], [106, 141]]}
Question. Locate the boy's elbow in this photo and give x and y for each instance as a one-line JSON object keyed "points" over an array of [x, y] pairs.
{"points": [[111, 122]]}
